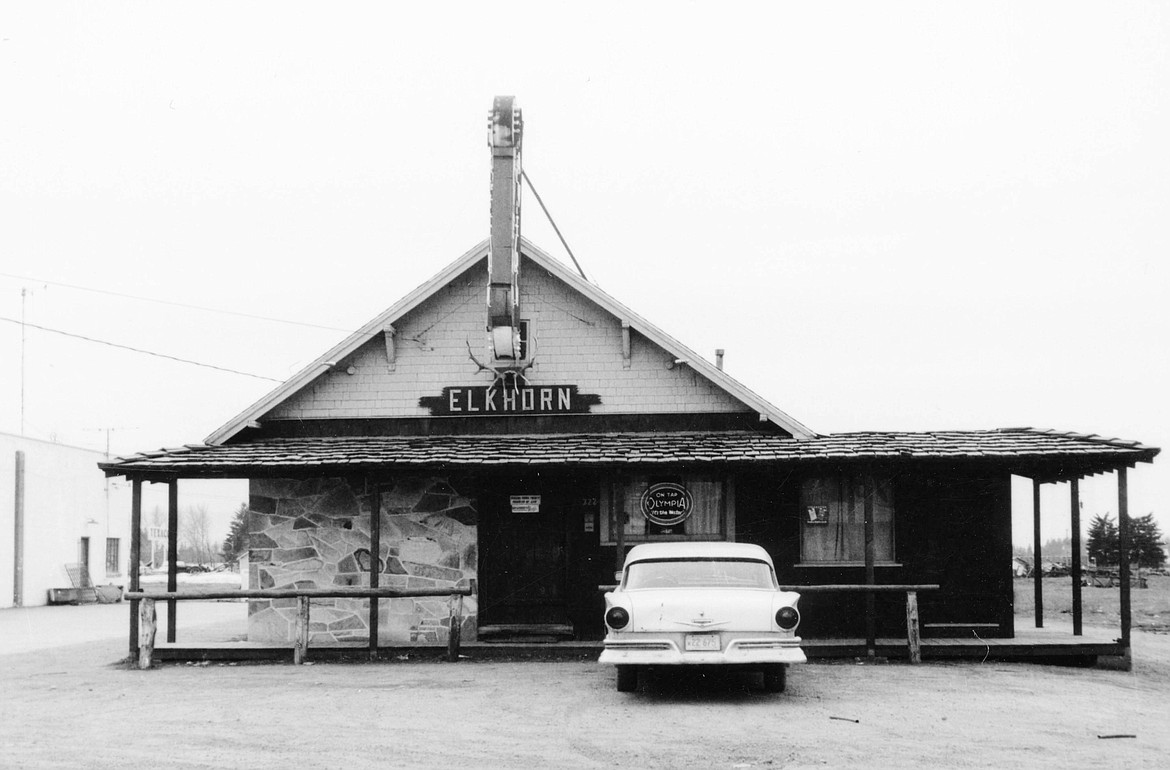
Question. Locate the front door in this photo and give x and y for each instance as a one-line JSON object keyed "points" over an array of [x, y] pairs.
{"points": [[522, 570]]}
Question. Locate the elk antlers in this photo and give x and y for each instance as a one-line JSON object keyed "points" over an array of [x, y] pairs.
{"points": [[502, 372]]}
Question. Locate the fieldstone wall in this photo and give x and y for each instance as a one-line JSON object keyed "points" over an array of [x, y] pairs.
{"points": [[316, 534]]}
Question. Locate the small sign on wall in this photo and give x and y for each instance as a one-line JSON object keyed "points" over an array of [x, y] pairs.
{"points": [[817, 514], [525, 503], [590, 521]]}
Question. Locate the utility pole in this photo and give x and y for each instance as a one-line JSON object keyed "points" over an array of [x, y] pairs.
{"points": [[108, 487]]}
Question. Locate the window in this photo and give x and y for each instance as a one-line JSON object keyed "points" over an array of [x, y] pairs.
{"points": [[83, 552], [710, 500], [524, 340], [832, 527], [502, 350], [113, 550]]}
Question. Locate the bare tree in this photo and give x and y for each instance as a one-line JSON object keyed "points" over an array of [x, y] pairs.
{"points": [[195, 534], [154, 551]]}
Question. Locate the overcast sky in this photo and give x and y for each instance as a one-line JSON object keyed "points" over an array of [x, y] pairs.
{"points": [[895, 216]]}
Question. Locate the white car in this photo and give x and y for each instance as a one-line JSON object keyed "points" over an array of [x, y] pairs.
{"points": [[701, 604]]}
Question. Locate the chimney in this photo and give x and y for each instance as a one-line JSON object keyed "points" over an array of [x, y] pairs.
{"points": [[505, 130], [719, 359]]}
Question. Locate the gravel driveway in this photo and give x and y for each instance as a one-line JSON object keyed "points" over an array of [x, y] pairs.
{"points": [[77, 706]]}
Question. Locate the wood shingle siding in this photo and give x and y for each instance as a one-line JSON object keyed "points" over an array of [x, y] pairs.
{"points": [[572, 336], [579, 336]]}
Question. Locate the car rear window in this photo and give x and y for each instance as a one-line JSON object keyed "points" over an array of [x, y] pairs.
{"points": [[699, 573]]}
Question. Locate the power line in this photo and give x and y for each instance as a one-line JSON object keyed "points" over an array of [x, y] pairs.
{"points": [[556, 229], [174, 304], [138, 350]]}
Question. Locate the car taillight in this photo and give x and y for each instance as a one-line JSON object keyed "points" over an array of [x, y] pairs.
{"points": [[787, 618], [617, 618]]}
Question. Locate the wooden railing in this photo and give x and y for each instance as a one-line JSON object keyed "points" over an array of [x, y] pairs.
{"points": [[913, 634], [148, 626]]}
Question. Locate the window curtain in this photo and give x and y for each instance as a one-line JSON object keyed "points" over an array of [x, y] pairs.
{"points": [[833, 519]]}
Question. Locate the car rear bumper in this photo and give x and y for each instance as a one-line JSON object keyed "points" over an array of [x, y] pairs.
{"points": [[655, 650]]}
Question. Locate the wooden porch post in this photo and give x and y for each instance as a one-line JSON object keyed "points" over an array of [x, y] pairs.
{"points": [[148, 627], [135, 558], [1123, 556], [172, 554], [617, 510], [913, 637], [375, 562], [1075, 511], [301, 631], [870, 598], [455, 628], [1036, 576]]}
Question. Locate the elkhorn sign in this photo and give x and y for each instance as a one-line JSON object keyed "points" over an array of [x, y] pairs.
{"points": [[529, 399]]}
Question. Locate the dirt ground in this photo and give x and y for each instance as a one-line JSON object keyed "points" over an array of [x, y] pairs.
{"points": [[78, 706], [1149, 607]]}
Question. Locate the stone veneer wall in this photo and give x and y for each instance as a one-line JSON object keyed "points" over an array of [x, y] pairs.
{"points": [[315, 533]]}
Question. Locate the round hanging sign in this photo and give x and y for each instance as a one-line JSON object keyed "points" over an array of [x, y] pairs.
{"points": [[667, 504]]}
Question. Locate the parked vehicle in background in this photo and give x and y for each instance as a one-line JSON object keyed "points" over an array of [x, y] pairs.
{"points": [[701, 604]]}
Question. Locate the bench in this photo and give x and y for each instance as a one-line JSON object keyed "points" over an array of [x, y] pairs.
{"points": [[959, 626]]}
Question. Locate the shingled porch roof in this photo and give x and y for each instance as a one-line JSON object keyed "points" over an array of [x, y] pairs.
{"points": [[1043, 454]]}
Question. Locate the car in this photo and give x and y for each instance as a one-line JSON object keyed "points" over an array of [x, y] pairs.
{"points": [[700, 604]]}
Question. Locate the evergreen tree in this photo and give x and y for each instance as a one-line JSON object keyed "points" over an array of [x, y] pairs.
{"points": [[1145, 540], [235, 544], [1102, 543]]}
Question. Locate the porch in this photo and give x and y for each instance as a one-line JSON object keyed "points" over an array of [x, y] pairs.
{"points": [[369, 464]]}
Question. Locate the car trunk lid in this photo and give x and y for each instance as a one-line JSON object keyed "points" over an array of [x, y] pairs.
{"points": [[694, 610]]}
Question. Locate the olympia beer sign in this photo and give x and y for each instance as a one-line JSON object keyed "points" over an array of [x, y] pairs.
{"points": [[667, 504], [498, 400]]}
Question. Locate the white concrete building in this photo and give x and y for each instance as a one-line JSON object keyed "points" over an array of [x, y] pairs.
{"points": [[71, 515]]}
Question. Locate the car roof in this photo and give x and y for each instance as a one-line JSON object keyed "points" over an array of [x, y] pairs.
{"points": [[697, 550]]}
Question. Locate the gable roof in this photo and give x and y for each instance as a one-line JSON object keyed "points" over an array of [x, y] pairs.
{"points": [[560, 271]]}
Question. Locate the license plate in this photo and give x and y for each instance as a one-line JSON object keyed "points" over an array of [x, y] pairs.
{"points": [[705, 642]]}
